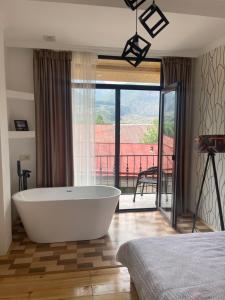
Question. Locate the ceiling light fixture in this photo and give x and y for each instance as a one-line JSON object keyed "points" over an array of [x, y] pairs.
{"points": [[154, 21], [153, 12], [134, 4], [136, 48]]}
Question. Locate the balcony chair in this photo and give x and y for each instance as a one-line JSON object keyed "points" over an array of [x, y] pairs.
{"points": [[147, 177]]}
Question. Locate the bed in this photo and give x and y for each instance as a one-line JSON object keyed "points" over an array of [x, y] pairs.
{"points": [[181, 267]]}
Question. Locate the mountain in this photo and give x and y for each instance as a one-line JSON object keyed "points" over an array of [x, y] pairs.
{"points": [[137, 107]]}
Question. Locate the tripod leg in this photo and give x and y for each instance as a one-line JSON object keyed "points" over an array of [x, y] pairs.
{"points": [[218, 193], [200, 194]]}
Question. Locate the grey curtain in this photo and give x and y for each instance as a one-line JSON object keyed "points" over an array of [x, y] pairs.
{"points": [[52, 91], [178, 69]]}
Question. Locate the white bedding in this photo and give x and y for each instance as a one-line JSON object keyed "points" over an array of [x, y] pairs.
{"points": [[181, 267]]}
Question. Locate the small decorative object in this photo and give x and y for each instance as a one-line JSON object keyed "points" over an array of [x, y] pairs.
{"points": [[134, 4], [210, 144], [136, 49], [151, 13], [21, 125]]}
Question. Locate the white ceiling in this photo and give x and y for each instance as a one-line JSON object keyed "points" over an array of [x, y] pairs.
{"points": [[210, 8], [105, 29]]}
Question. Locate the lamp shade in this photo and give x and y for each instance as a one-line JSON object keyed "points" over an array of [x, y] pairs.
{"points": [[153, 13], [210, 143], [134, 4], [136, 50]]}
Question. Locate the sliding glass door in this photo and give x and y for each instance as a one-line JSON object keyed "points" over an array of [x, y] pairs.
{"points": [[126, 133], [169, 151], [126, 142], [139, 114]]}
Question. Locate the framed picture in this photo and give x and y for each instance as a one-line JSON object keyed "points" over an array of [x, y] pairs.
{"points": [[21, 125]]}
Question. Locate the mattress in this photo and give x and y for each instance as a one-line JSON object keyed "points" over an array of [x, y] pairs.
{"points": [[181, 267]]}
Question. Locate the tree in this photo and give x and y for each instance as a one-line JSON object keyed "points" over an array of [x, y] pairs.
{"points": [[99, 119], [169, 127], [151, 135]]}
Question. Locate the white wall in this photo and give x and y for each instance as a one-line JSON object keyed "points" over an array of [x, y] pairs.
{"points": [[19, 76], [19, 69], [5, 195]]}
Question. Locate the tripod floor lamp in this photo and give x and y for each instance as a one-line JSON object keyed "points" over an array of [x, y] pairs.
{"points": [[210, 144]]}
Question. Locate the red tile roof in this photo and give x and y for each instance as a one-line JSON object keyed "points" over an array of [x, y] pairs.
{"points": [[134, 155], [134, 133]]}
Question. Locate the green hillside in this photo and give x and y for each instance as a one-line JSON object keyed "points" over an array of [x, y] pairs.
{"points": [[137, 107]]}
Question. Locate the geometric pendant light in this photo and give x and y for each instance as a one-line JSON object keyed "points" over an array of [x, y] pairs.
{"points": [[152, 13], [134, 4], [136, 49]]}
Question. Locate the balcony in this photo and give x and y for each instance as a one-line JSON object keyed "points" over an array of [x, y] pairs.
{"points": [[130, 166]]}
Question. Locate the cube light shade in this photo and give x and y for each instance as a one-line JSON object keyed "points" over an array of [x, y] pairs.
{"points": [[134, 4], [136, 50], [153, 13]]}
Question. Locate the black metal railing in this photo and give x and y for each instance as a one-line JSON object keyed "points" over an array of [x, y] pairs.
{"points": [[130, 166]]}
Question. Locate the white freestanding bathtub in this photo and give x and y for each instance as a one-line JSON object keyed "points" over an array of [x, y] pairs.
{"points": [[67, 214]]}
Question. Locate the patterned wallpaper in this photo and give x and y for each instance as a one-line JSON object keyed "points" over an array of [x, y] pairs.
{"points": [[210, 119]]}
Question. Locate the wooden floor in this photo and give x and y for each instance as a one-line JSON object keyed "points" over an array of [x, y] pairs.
{"points": [[111, 283], [105, 284]]}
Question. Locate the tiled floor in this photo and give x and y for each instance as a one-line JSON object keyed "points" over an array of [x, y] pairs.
{"points": [[145, 201], [79, 270], [26, 257]]}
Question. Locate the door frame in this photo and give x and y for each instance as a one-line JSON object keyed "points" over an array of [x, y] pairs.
{"points": [[118, 88], [173, 87]]}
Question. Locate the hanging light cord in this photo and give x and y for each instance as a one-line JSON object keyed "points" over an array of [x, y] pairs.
{"points": [[136, 21]]}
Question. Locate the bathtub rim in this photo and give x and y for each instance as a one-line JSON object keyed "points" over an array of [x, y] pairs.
{"points": [[16, 197]]}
